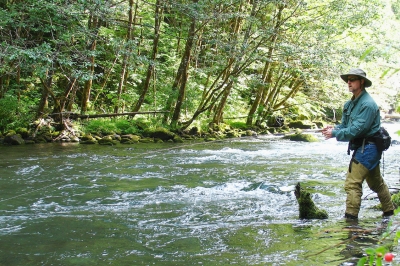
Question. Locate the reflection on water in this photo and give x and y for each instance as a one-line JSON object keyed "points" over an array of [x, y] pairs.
{"points": [[219, 203]]}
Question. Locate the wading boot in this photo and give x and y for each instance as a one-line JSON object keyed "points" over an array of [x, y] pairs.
{"points": [[388, 213], [349, 216]]}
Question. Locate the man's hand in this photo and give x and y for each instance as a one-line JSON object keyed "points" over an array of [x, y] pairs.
{"points": [[327, 132]]}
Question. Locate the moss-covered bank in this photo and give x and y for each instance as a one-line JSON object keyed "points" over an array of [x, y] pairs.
{"points": [[112, 132]]}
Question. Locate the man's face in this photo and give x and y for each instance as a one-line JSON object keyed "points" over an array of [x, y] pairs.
{"points": [[354, 83]]}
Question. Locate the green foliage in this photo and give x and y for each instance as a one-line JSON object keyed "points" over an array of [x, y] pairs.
{"points": [[112, 126], [241, 50], [14, 113], [8, 107], [373, 257], [396, 8], [101, 126], [396, 197], [126, 126], [238, 125]]}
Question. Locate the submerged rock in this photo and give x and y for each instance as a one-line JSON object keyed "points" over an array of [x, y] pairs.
{"points": [[302, 137], [307, 207], [14, 139]]}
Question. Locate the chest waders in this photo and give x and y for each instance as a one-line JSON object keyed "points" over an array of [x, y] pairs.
{"points": [[355, 177]]}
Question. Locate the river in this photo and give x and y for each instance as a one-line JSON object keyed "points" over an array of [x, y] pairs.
{"points": [[225, 202]]}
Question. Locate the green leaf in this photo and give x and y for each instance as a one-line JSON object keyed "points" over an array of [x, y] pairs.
{"points": [[362, 261], [367, 52], [381, 249], [385, 73], [370, 251]]}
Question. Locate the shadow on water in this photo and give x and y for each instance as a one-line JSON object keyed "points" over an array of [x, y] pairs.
{"points": [[220, 203]]}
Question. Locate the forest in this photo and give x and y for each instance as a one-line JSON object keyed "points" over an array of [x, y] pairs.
{"points": [[195, 62]]}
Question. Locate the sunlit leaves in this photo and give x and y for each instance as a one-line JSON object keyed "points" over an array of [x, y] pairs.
{"points": [[303, 44]]}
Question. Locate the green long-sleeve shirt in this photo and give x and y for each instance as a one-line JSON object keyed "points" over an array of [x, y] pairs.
{"points": [[360, 119]]}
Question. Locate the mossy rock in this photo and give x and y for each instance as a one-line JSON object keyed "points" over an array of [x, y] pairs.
{"points": [[88, 137], [272, 130], [250, 133], [108, 140], [219, 127], [177, 139], [40, 139], [116, 137], [44, 137], [159, 133], [232, 134], [146, 140], [302, 137], [10, 133], [303, 124], [187, 137], [157, 140], [307, 207], [129, 139], [130, 136], [216, 135], [74, 139], [24, 132], [15, 139]]}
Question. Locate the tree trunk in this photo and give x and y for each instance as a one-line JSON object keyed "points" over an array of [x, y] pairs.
{"points": [[267, 73], [124, 68], [181, 76], [88, 84], [218, 116], [43, 99], [236, 26], [46, 92], [151, 67], [93, 23]]}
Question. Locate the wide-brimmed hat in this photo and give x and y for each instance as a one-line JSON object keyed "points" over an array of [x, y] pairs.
{"points": [[357, 72]]}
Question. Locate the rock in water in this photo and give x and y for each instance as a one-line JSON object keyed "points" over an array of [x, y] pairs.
{"points": [[307, 207]]}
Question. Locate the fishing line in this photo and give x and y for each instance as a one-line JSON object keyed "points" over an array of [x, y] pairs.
{"points": [[95, 173]]}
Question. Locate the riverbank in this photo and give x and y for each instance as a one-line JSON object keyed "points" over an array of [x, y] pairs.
{"points": [[113, 132]]}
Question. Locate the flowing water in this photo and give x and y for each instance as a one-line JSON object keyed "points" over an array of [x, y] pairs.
{"points": [[215, 203]]}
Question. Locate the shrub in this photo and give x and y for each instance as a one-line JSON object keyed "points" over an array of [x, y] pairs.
{"points": [[14, 113], [238, 125], [126, 127], [101, 126]]}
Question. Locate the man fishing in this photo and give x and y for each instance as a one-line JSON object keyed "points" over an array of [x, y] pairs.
{"points": [[360, 121]]}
